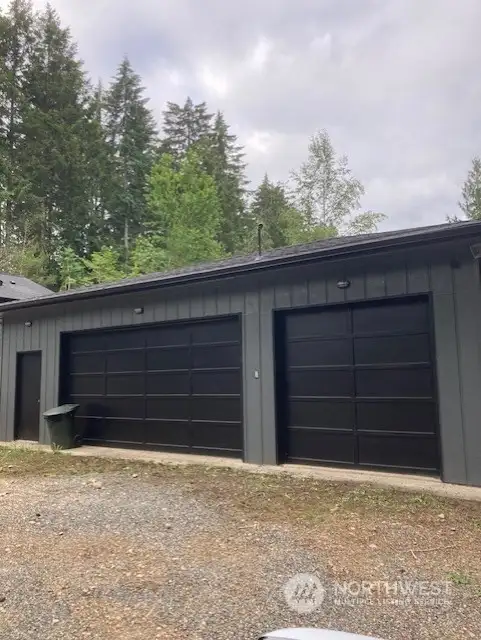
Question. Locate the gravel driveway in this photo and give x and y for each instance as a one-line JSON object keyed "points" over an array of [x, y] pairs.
{"points": [[126, 555]]}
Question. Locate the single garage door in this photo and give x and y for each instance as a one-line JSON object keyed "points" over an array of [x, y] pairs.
{"points": [[174, 387], [356, 386]]}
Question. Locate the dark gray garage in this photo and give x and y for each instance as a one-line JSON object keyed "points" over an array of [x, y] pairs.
{"points": [[362, 351]]}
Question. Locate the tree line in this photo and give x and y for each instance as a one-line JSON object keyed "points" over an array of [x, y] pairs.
{"points": [[95, 186]]}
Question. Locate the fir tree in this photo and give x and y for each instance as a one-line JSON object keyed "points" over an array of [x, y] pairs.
{"points": [[184, 126], [224, 160], [131, 135], [16, 43], [58, 138]]}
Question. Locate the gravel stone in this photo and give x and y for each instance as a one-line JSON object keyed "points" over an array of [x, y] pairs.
{"points": [[149, 559]]}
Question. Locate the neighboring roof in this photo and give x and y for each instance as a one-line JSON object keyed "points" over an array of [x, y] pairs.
{"points": [[301, 253], [19, 288]]}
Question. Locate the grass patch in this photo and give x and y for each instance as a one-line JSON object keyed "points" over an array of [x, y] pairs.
{"points": [[459, 579]]}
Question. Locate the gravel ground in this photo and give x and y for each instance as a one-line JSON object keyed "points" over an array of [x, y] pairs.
{"points": [[124, 555]]}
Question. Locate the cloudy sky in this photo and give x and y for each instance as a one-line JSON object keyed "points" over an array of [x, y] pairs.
{"points": [[397, 83]]}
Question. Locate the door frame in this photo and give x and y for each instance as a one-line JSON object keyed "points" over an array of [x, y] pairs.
{"points": [[17, 390], [279, 364]]}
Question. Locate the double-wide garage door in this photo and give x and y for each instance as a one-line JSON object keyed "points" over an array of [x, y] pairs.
{"points": [[175, 387], [356, 386]]}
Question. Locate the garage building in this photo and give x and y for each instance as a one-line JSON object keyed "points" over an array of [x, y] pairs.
{"points": [[360, 351]]}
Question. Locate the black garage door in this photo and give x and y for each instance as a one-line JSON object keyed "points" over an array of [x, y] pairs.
{"points": [[356, 386], [174, 387]]}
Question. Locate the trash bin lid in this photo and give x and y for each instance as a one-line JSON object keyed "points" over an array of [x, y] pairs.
{"points": [[60, 411]]}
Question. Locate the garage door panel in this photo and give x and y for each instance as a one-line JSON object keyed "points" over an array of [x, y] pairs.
{"points": [[215, 409], [394, 317], [417, 417], [394, 383], [215, 382], [88, 384], [90, 407], [173, 382], [167, 359], [167, 336], [223, 437], [130, 360], [127, 431], [315, 383], [397, 451], [167, 433], [152, 384], [321, 413], [168, 408], [214, 356], [125, 339], [87, 363], [124, 407], [124, 383], [88, 342], [315, 444], [332, 322], [392, 349], [337, 351], [221, 331]]}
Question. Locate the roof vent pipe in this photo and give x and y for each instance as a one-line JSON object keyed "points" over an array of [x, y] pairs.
{"points": [[260, 226]]}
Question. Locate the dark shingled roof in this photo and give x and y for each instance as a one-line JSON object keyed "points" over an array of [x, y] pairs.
{"points": [[14, 287], [320, 249]]}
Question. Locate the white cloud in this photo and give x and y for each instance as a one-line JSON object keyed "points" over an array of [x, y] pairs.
{"points": [[396, 83], [260, 54], [213, 81]]}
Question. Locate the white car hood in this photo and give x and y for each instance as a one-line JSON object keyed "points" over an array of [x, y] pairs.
{"points": [[314, 634]]}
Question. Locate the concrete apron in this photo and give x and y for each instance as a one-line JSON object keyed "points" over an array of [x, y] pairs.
{"points": [[405, 482]]}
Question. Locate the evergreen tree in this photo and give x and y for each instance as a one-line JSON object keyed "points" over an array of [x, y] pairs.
{"points": [[103, 266], [131, 135], [71, 269], [223, 159], [184, 126], [59, 138], [328, 194], [470, 203], [16, 42]]}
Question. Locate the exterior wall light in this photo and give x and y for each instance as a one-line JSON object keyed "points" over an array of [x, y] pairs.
{"points": [[343, 284], [28, 323], [139, 310]]}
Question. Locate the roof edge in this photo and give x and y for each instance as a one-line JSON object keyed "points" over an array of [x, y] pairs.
{"points": [[450, 233]]}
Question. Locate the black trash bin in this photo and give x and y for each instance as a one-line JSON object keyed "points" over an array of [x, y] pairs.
{"points": [[61, 424]]}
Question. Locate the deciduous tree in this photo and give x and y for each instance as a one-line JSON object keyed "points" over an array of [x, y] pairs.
{"points": [[328, 194]]}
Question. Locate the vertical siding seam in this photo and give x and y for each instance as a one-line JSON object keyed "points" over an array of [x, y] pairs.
{"points": [[460, 373]]}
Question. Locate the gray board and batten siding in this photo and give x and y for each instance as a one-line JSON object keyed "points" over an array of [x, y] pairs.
{"points": [[446, 271]]}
